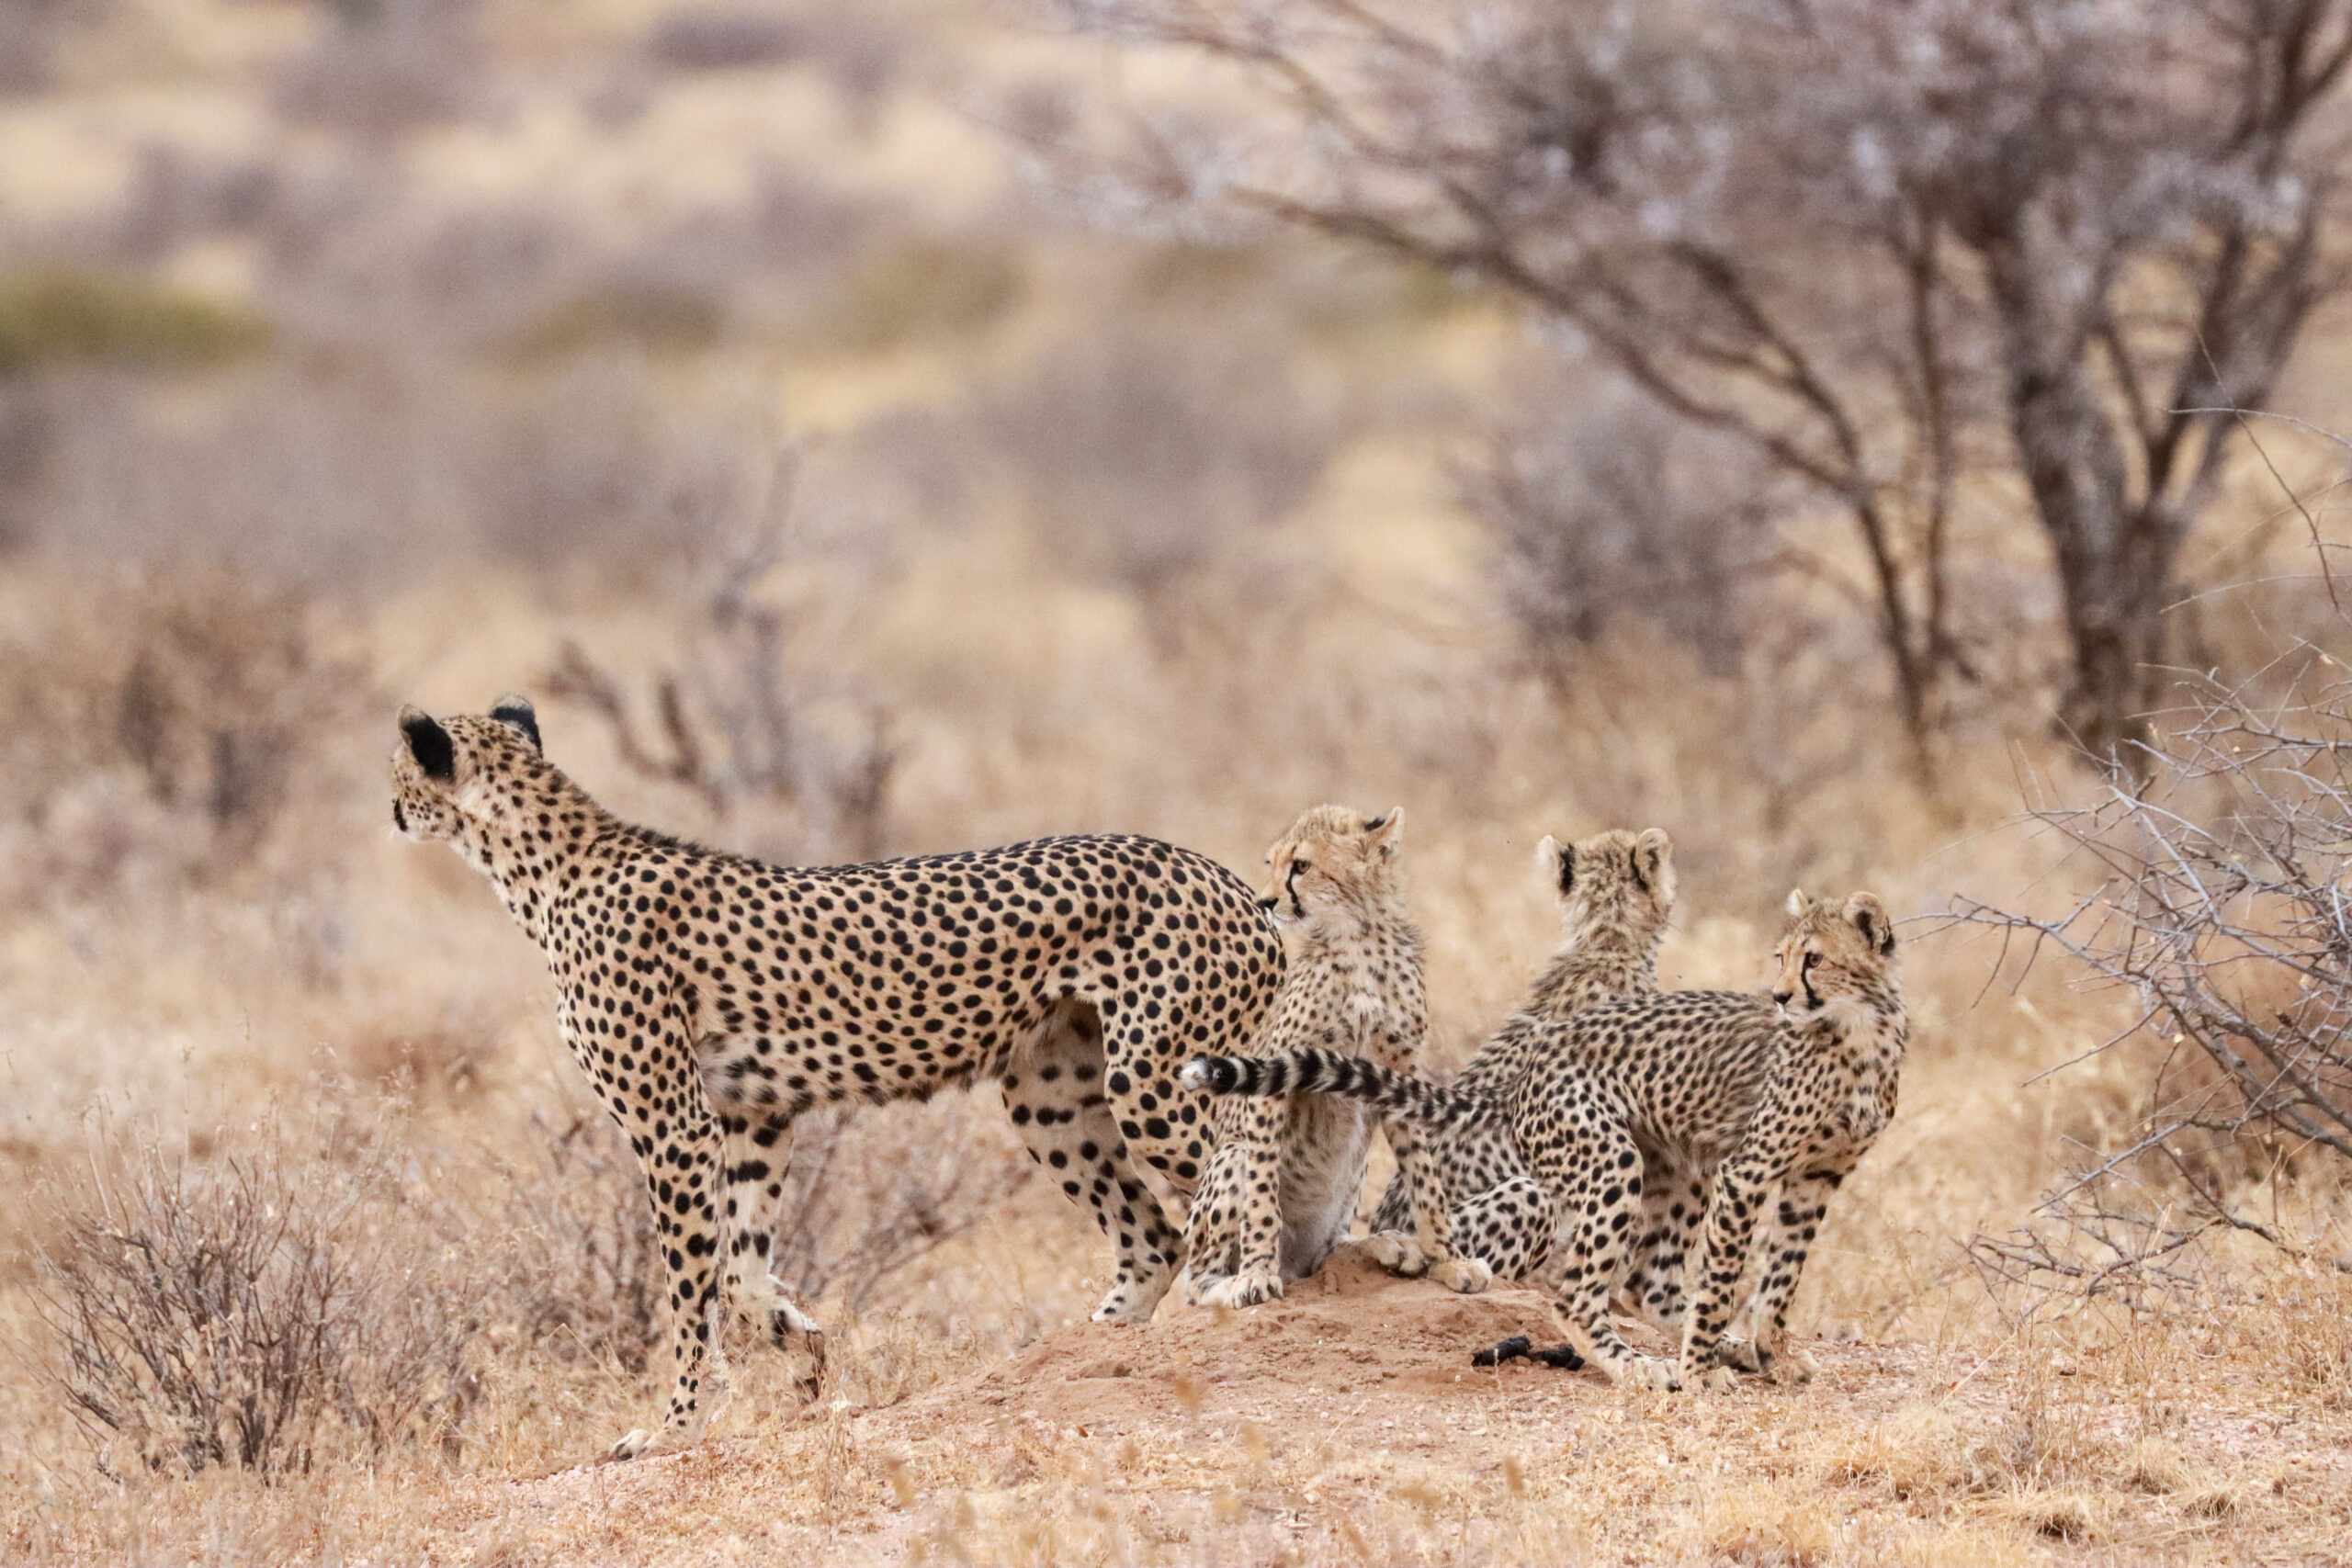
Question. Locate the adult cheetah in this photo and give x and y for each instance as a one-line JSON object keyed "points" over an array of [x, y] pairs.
{"points": [[1782, 1095], [711, 998], [1281, 1185], [1616, 894]]}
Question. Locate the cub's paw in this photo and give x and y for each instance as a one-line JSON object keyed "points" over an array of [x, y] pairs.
{"points": [[1648, 1371], [1396, 1252], [1743, 1355], [1246, 1289], [635, 1443], [1467, 1275], [807, 1347], [1120, 1307]]}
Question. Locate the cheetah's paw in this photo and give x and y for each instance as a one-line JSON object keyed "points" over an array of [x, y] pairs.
{"points": [[1467, 1275], [1719, 1379], [1396, 1252], [635, 1443], [1246, 1289]]}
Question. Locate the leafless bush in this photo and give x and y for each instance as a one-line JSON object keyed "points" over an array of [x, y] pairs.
{"points": [[577, 1262], [30, 33], [874, 1189], [385, 67], [248, 1311], [574, 1246], [202, 692], [735, 726], [1621, 511], [860, 56], [1142, 459], [2221, 910]]}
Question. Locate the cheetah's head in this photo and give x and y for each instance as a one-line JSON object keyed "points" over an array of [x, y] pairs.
{"points": [[1332, 860], [1834, 957], [445, 770], [1617, 879]]}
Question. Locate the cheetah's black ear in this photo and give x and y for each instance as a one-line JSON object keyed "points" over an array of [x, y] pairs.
{"points": [[429, 744], [513, 710], [1870, 918], [1558, 862]]}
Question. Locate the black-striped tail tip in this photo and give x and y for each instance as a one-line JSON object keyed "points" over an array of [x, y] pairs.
{"points": [[1215, 1074]]}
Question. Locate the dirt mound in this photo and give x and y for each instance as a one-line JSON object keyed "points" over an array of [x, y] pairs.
{"points": [[1349, 1329]]}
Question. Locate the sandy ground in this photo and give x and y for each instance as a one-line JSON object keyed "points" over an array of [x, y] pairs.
{"points": [[1345, 1423]]}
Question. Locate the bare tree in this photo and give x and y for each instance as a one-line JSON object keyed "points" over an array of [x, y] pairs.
{"points": [[1893, 246]]}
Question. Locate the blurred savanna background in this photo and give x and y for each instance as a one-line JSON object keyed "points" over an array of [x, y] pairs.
{"points": [[1884, 444]]}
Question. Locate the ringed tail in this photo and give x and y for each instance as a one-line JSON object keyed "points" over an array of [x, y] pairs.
{"points": [[1397, 1096]]}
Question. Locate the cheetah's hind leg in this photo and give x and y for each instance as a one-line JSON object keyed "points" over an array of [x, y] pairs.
{"points": [[758, 1152], [1055, 1092]]}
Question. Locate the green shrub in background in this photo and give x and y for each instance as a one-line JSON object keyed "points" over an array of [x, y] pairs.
{"points": [[82, 318]]}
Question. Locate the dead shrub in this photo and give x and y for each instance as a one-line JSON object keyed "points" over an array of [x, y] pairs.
{"points": [[252, 1311], [2217, 913], [738, 719], [577, 1269], [167, 722]]}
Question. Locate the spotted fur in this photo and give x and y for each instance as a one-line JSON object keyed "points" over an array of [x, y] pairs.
{"points": [[1762, 1096], [1616, 894], [711, 998], [1290, 1167]]}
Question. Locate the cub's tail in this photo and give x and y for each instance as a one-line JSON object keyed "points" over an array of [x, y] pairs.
{"points": [[1398, 1096]]}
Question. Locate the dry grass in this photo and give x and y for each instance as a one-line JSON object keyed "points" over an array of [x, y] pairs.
{"points": [[233, 1006]]}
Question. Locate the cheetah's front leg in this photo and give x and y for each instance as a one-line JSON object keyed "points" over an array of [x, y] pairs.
{"points": [[1796, 1221], [1429, 1248], [1740, 1192]]}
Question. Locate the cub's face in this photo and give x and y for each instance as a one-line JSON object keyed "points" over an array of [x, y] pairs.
{"points": [[440, 764], [1332, 859], [1616, 878], [1832, 954]]}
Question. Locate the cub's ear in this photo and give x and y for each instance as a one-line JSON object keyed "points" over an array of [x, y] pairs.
{"points": [[1799, 905], [1652, 852], [1558, 863], [1655, 848], [513, 710], [429, 744], [1870, 918], [1387, 833]]}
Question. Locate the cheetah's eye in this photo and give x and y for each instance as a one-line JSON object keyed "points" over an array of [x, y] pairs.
{"points": [[1811, 959], [1296, 866]]}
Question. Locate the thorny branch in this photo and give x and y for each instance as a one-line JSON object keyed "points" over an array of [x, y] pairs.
{"points": [[2223, 911]]}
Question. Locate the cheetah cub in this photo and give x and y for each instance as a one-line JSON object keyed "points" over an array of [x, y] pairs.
{"points": [[1762, 1097], [1281, 1184], [1616, 894]]}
